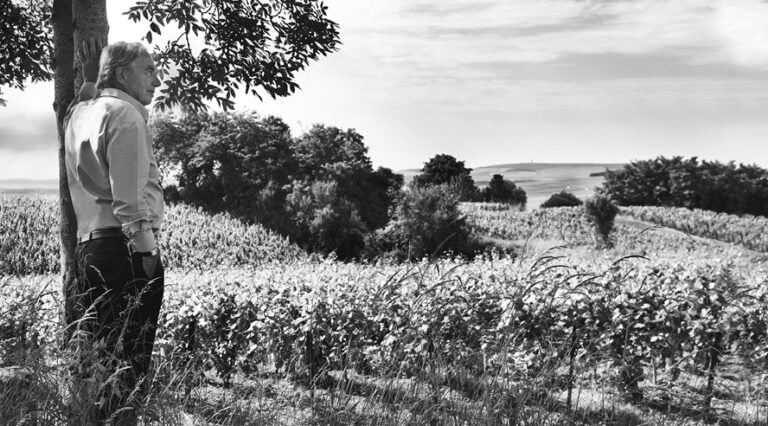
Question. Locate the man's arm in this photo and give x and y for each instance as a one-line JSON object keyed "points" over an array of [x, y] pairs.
{"points": [[89, 54]]}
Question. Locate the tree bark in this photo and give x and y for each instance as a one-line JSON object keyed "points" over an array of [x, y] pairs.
{"points": [[64, 86], [89, 22], [72, 21]]}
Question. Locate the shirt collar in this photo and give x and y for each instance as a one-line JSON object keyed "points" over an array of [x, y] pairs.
{"points": [[117, 93]]}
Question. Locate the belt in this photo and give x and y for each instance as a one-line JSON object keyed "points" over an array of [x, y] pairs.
{"points": [[101, 233]]}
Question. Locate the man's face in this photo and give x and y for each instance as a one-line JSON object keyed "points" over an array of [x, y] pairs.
{"points": [[140, 79]]}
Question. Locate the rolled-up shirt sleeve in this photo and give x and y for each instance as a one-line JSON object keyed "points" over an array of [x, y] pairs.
{"points": [[87, 91], [129, 162]]}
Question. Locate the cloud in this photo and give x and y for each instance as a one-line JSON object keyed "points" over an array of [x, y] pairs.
{"points": [[28, 122], [742, 28], [610, 65], [444, 9], [451, 31], [29, 135]]}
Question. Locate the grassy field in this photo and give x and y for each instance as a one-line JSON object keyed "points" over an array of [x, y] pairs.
{"points": [[664, 328], [540, 180]]}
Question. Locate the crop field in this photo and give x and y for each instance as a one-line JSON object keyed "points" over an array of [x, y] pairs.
{"points": [[663, 328], [748, 231]]}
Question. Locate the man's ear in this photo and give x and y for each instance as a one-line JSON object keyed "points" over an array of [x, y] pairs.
{"points": [[120, 75]]}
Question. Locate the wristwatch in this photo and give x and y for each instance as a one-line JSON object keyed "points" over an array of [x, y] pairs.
{"points": [[154, 252]]}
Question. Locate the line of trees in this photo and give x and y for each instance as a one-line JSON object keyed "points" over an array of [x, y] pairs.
{"points": [[319, 189], [444, 169], [680, 182]]}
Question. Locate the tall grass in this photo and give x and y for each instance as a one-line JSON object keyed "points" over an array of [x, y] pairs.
{"points": [[497, 341], [658, 330]]}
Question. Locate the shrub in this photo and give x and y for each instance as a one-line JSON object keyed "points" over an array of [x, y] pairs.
{"points": [[504, 191], [227, 162], [602, 212], [250, 166], [329, 154], [323, 221], [562, 199], [446, 169], [680, 182], [426, 223]]}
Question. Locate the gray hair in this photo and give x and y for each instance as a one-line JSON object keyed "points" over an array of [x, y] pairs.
{"points": [[114, 56]]}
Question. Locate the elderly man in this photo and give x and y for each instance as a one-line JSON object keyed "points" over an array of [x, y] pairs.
{"points": [[118, 203]]}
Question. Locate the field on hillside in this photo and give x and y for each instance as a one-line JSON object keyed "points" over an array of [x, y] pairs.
{"points": [[540, 180], [664, 328]]}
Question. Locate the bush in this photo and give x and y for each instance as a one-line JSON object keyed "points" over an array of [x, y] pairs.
{"points": [[602, 212], [426, 223], [323, 221], [562, 199], [252, 168], [680, 182], [446, 169], [330, 154], [504, 191], [234, 163]]}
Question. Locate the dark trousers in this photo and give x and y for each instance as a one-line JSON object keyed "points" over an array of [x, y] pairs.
{"points": [[116, 307]]}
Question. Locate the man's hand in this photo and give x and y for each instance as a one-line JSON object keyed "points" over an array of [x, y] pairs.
{"points": [[150, 263], [89, 54]]}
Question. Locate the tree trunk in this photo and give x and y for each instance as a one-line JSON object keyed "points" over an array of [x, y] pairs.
{"points": [[73, 21], [63, 58], [89, 20]]}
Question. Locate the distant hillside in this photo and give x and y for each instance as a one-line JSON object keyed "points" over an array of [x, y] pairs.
{"points": [[540, 180], [35, 184]]}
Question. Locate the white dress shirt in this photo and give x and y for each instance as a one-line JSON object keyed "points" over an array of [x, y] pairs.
{"points": [[111, 167]]}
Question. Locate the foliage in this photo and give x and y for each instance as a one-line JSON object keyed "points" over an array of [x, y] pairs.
{"points": [[446, 169], [323, 221], [25, 43], [237, 163], [253, 45], [532, 327], [427, 222], [504, 191], [602, 212], [679, 182], [252, 168], [562, 199], [327, 153], [258, 45], [491, 319]]}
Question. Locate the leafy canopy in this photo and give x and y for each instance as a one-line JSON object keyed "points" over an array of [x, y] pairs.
{"points": [[25, 43], [248, 44], [562, 199], [426, 222], [446, 169], [319, 189], [500, 190], [223, 46], [688, 182]]}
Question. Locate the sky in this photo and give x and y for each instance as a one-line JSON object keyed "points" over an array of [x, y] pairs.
{"points": [[504, 81]]}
